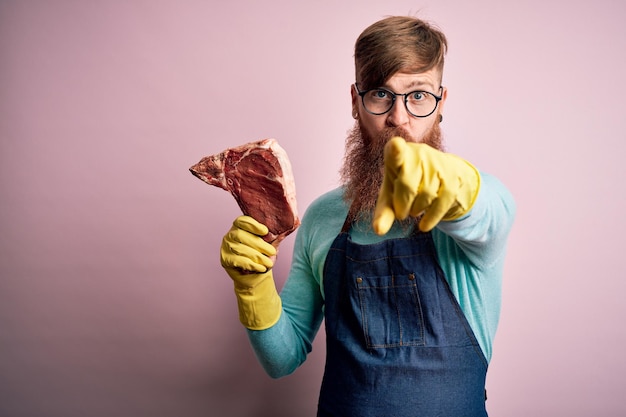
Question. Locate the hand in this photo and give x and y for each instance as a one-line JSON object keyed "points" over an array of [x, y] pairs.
{"points": [[248, 260], [243, 249], [422, 180]]}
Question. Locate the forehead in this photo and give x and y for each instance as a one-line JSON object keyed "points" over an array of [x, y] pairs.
{"points": [[407, 80]]}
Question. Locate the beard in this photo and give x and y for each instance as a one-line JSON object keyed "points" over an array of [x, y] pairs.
{"points": [[363, 165]]}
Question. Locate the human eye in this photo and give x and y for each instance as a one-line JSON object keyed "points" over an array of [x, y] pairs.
{"points": [[418, 96], [379, 94]]}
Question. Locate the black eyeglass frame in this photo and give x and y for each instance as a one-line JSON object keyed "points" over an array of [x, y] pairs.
{"points": [[393, 99]]}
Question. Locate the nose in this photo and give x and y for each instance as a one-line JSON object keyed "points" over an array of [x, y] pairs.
{"points": [[398, 115]]}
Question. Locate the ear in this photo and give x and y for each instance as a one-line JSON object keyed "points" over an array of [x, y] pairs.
{"points": [[442, 102], [355, 97]]}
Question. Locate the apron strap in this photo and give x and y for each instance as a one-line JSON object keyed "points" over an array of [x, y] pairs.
{"points": [[350, 218]]}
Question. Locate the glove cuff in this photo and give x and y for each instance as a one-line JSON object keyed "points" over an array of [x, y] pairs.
{"points": [[260, 306], [468, 192]]}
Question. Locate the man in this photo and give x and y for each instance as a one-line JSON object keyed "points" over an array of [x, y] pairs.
{"points": [[404, 261]]}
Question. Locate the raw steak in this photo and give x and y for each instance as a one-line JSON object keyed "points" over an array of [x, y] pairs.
{"points": [[259, 176]]}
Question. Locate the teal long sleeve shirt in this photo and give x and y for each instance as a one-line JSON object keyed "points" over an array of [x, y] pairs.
{"points": [[471, 252]]}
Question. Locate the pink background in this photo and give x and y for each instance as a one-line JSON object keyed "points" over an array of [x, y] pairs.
{"points": [[112, 301]]}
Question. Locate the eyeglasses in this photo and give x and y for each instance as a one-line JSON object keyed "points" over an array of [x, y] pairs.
{"points": [[379, 101]]}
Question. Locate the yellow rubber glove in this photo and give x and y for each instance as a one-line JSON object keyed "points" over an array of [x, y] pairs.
{"points": [[248, 260], [420, 179]]}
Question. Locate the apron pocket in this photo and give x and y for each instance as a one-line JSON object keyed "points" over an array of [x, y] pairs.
{"points": [[390, 311]]}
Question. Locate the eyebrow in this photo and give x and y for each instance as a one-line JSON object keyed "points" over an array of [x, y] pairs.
{"points": [[419, 84]]}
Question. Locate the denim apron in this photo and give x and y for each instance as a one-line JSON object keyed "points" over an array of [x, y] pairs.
{"points": [[397, 341]]}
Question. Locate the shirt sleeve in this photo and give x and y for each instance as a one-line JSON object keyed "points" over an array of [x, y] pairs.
{"points": [[482, 233], [471, 252]]}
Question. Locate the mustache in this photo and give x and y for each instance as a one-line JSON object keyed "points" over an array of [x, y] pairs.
{"points": [[391, 132]]}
